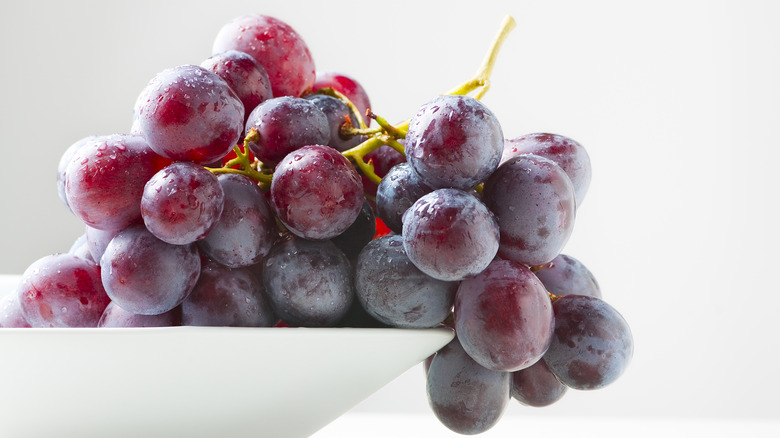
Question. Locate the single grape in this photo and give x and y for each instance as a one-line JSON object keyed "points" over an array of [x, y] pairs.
{"points": [[285, 124], [592, 345], [465, 396], [565, 275], [144, 275], [533, 201], [62, 290], [449, 234], [276, 46], [392, 290], [503, 316], [308, 282], [454, 141], [188, 113], [227, 297], [565, 152], [244, 75], [62, 167], [347, 86], [115, 316], [537, 386], [338, 114], [398, 191], [80, 248], [246, 230], [11, 315], [359, 234], [97, 241], [316, 192], [182, 203], [106, 178]]}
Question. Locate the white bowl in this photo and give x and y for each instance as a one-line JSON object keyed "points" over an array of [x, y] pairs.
{"points": [[196, 381]]}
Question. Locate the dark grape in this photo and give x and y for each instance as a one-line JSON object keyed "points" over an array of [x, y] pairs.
{"points": [[565, 152], [182, 203], [316, 192], [392, 290], [565, 275], [592, 345], [503, 316], [449, 234], [115, 316], [188, 113], [244, 76], [227, 297], [142, 274], [537, 386], [347, 86], [533, 201], [454, 141], [309, 282], [383, 158], [465, 396], [397, 191], [337, 113], [352, 241], [274, 45], [62, 290], [246, 229]]}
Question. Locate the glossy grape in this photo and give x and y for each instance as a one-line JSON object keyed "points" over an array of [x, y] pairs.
{"points": [[243, 75], [285, 124], [454, 141], [395, 292], [565, 152], [62, 167], [276, 46], [533, 201], [80, 248], [227, 297], [97, 241], [115, 316], [316, 192], [465, 396], [11, 315], [106, 178], [537, 386], [398, 191], [565, 275], [347, 86], [592, 345], [449, 234], [246, 229], [338, 114], [182, 203], [308, 282], [142, 274], [188, 113], [62, 290], [503, 316]]}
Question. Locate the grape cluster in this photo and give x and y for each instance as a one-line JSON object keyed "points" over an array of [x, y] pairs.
{"points": [[252, 191]]}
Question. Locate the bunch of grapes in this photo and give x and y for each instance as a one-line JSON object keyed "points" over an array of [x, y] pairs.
{"points": [[252, 190]]}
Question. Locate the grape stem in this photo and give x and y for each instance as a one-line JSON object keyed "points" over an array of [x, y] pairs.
{"points": [[246, 167]]}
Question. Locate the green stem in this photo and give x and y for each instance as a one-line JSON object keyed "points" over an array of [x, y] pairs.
{"points": [[328, 91]]}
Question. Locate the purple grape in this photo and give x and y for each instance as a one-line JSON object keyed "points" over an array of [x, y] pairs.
{"points": [[565, 152], [246, 230], [533, 201], [337, 113], [383, 158], [97, 241], [115, 316], [285, 124], [392, 290], [398, 191], [62, 167], [227, 297], [62, 290], [465, 396], [537, 386], [592, 345], [274, 45], [308, 282], [80, 249], [188, 113], [503, 316], [347, 86], [244, 76], [454, 141], [144, 275], [316, 192], [449, 234], [11, 315], [565, 275], [182, 203], [359, 234], [106, 178]]}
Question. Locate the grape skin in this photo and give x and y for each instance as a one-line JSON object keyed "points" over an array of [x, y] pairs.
{"points": [[537, 386], [359, 234], [115, 316], [62, 167], [449, 234], [347, 86], [11, 315], [592, 345], [503, 316], [243, 75], [392, 290], [337, 112], [533, 201], [565, 275], [398, 191]]}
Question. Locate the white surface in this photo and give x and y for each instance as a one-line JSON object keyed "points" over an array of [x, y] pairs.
{"points": [[676, 102]]}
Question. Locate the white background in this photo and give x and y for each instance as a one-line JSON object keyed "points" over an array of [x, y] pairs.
{"points": [[677, 102]]}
